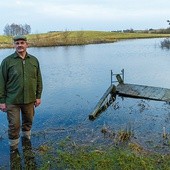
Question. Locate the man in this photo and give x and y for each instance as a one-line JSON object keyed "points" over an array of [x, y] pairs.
{"points": [[20, 90]]}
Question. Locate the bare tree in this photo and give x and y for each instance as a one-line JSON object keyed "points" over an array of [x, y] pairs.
{"points": [[7, 30], [27, 28], [15, 29]]}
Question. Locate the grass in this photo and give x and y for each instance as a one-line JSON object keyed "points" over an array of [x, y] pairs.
{"points": [[67, 38], [122, 154], [70, 156]]}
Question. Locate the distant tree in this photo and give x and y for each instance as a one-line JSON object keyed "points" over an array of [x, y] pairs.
{"points": [[128, 31], [166, 42], [167, 31], [15, 29], [27, 29]]}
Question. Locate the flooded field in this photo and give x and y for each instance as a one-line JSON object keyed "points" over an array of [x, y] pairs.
{"points": [[76, 77]]}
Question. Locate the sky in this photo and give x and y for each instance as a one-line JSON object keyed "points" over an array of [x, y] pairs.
{"points": [[101, 15]]}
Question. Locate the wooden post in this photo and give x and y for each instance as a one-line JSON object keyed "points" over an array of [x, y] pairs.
{"points": [[119, 79], [111, 90]]}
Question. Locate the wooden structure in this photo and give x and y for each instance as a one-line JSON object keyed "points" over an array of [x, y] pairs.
{"points": [[128, 90], [108, 98], [145, 92]]}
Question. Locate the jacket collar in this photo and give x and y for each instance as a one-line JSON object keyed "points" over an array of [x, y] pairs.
{"points": [[16, 55]]}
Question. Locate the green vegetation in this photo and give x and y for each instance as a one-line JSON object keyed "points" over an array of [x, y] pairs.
{"points": [[5, 41], [69, 155], [121, 154], [67, 38]]}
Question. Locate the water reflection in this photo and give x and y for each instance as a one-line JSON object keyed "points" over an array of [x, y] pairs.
{"points": [[28, 157], [28, 154], [15, 160]]}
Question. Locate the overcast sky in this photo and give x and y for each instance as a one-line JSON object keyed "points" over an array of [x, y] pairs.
{"points": [[101, 15]]}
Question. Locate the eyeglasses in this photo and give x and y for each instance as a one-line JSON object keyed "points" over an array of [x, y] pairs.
{"points": [[20, 43]]}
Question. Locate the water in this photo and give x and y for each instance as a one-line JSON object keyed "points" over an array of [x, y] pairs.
{"points": [[76, 77]]}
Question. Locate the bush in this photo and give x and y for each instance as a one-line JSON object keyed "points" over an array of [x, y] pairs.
{"points": [[165, 43]]}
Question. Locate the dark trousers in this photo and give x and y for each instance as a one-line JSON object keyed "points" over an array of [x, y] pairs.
{"points": [[26, 111]]}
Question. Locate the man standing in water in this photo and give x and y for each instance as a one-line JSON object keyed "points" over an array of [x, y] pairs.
{"points": [[20, 90]]}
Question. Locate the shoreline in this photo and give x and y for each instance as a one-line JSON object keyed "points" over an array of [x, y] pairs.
{"points": [[73, 38]]}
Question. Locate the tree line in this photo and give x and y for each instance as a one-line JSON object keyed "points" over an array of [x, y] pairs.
{"points": [[15, 29]]}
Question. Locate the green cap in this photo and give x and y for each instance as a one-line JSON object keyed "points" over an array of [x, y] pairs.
{"points": [[20, 37]]}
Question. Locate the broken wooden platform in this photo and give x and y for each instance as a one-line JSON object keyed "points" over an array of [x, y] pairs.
{"points": [[128, 90], [142, 91]]}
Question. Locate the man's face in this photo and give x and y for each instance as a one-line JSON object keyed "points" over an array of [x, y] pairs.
{"points": [[20, 46]]}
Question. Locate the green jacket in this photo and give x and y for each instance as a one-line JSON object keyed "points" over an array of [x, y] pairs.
{"points": [[20, 80]]}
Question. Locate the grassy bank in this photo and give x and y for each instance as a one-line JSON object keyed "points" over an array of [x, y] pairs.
{"points": [[71, 156], [77, 38]]}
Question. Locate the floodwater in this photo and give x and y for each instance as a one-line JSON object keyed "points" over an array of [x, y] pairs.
{"points": [[76, 77]]}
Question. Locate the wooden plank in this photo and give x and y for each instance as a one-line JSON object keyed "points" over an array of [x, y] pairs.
{"points": [[166, 96], [111, 90], [142, 91]]}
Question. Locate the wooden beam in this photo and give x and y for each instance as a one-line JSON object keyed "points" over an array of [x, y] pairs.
{"points": [[112, 91]]}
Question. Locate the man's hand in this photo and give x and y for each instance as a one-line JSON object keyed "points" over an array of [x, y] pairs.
{"points": [[37, 102], [3, 107]]}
